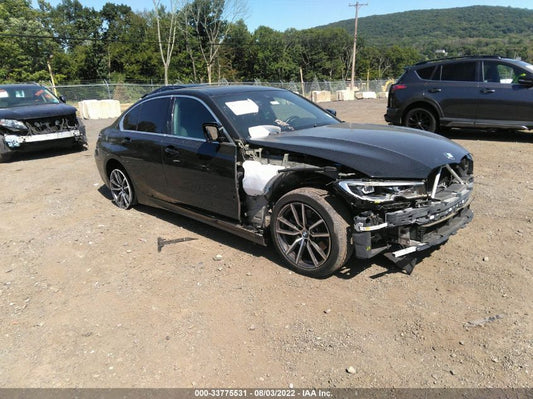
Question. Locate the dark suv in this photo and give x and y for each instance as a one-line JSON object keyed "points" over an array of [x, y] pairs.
{"points": [[463, 92]]}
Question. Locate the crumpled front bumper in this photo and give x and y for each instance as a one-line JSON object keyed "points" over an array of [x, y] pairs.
{"points": [[413, 229], [14, 141]]}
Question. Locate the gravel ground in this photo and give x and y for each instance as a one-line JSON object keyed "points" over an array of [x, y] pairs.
{"points": [[87, 300]]}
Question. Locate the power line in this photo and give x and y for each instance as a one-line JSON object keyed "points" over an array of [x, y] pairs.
{"points": [[97, 39], [74, 39]]}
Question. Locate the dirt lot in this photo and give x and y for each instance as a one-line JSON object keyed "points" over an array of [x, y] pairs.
{"points": [[87, 300]]}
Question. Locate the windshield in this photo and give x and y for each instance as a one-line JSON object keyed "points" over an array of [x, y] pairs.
{"points": [[258, 114], [525, 65], [20, 96]]}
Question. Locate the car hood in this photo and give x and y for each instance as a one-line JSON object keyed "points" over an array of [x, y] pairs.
{"points": [[37, 111], [375, 150]]}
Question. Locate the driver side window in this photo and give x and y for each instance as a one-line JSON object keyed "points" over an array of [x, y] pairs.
{"points": [[188, 117]]}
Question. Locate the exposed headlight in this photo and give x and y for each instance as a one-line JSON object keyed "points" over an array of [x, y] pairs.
{"points": [[378, 191], [12, 124]]}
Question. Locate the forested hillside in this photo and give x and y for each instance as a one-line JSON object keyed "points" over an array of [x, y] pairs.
{"points": [[209, 42], [460, 31]]}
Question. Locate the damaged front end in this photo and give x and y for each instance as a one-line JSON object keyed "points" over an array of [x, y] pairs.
{"points": [[402, 218], [36, 133]]}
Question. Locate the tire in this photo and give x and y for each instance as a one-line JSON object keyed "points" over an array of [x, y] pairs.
{"points": [[121, 188], [310, 230], [422, 119], [5, 151]]}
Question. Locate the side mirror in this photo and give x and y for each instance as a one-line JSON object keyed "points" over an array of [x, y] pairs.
{"points": [[526, 80], [62, 99], [213, 132], [331, 111]]}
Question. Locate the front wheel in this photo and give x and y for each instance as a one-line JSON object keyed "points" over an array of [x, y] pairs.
{"points": [[421, 118], [5, 151], [309, 228], [121, 189]]}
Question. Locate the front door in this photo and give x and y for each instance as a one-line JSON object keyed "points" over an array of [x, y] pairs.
{"points": [[198, 172], [503, 101]]}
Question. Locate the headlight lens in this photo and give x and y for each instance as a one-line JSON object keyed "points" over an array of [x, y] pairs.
{"points": [[12, 124], [378, 191]]}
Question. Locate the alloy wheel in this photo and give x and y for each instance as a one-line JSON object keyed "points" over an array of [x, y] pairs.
{"points": [[303, 235], [121, 189]]}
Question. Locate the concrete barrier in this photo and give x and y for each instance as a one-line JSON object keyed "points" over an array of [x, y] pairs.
{"points": [[345, 95], [99, 109], [365, 95], [320, 96]]}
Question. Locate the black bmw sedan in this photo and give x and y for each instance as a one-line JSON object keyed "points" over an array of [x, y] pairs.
{"points": [[268, 165]]}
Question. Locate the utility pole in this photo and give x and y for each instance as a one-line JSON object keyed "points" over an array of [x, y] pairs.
{"points": [[357, 5]]}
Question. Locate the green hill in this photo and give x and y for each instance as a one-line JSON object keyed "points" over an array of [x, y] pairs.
{"points": [[460, 31]]}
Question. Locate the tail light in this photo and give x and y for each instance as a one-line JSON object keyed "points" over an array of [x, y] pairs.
{"points": [[396, 87]]}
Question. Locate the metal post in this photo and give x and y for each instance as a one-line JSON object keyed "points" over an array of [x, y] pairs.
{"points": [[357, 5]]}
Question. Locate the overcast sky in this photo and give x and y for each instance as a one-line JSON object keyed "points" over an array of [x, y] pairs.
{"points": [[301, 14]]}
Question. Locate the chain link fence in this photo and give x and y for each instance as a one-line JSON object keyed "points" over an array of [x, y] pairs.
{"points": [[128, 93]]}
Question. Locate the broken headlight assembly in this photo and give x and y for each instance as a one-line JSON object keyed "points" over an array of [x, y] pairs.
{"points": [[379, 191], [13, 125]]}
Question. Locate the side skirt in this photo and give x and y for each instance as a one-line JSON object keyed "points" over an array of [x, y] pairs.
{"points": [[228, 226]]}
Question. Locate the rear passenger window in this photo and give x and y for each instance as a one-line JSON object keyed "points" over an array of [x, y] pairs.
{"points": [[154, 116], [131, 119], [425, 73], [460, 71], [151, 116]]}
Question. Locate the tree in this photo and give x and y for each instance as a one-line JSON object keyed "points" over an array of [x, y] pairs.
{"points": [[237, 51], [211, 21], [169, 33], [325, 53], [24, 48]]}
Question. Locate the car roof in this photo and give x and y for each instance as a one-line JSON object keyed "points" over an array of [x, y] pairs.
{"points": [[211, 91], [18, 85], [461, 58]]}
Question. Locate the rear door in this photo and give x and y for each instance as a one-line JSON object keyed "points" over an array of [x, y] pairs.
{"points": [[455, 88], [139, 144], [198, 172], [503, 101]]}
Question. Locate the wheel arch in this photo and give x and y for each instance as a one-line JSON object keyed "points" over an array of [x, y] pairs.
{"points": [[430, 106], [111, 164], [329, 209], [293, 180]]}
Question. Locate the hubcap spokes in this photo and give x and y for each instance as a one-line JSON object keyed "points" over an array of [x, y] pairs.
{"points": [[303, 235], [120, 189], [419, 120]]}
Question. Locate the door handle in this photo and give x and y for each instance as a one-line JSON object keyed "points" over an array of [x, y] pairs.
{"points": [[171, 151], [435, 90], [488, 91], [125, 140]]}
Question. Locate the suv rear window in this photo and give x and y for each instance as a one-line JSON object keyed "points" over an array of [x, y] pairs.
{"points": [[460, 71], [425, 73]]}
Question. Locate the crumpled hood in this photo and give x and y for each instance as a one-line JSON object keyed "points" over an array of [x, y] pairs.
{"points": [[375, 150], [37, 111]]}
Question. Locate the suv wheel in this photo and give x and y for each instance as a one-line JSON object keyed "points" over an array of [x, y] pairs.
{"points": [[310, 231], [421, 118]]}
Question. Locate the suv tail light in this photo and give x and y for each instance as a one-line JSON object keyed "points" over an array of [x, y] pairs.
{"points": [[397, 87]]}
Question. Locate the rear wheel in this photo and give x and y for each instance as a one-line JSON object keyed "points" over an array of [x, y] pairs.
{"points": [[309, 229], [421, 118], [121, 188]]}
